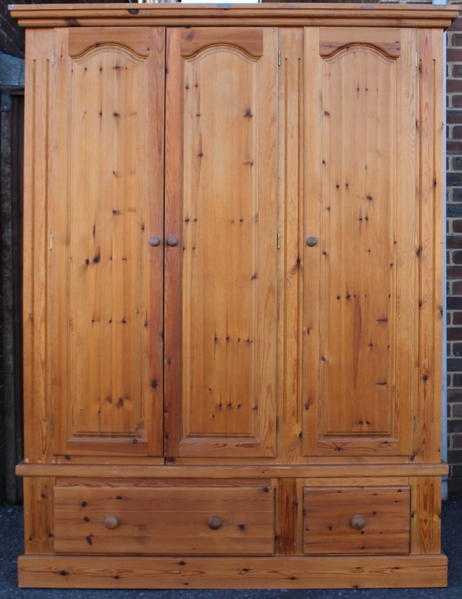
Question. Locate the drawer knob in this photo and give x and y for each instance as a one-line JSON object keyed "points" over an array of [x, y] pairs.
{"points": [[311, 241], [155, 241], [172, 241], [215, 522], [111, 522], [358, 522]]}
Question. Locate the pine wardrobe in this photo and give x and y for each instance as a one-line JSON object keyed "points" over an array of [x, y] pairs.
{"points": [[233, 258]]}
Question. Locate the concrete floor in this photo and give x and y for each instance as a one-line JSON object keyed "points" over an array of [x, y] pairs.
{"points": [[11, 546]]}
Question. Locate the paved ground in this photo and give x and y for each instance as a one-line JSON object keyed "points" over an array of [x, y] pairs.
{"points": [[11, 546]]}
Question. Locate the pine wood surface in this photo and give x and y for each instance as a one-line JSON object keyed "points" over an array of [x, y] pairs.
{"points": [[246, 573], [368, 15], [220, 295], [232, 296], [223, 471], [167, 521], [329, 520]]}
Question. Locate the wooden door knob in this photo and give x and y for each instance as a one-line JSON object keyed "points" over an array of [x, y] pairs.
{"points": [[111, 522], [311, 241], [172, 241], [215, 522], [358, 522]]}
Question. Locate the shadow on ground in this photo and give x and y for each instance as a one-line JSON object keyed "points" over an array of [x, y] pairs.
{"points": [[11, 546]]}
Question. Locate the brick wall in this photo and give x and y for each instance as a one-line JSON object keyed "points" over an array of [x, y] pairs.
{"points": [[11, 37], [454, 253]]}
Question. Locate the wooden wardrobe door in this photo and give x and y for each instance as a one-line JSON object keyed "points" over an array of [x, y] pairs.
{"points": [[360, 290], [221, 258], [104, 278]]}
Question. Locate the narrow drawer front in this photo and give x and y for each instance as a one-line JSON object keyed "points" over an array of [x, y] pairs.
{"points": [[356, 520], [164, 520]]}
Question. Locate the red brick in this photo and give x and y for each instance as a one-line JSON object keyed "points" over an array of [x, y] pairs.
{"points": [[457, 290], [456, 191], [457, 129], [455, 395], [454, 334], [457, 226], [454, 85], [454, 116], [454, 147], [456, 410], [455, 426], [456, 100], [454, 272], [456, 163], [457, 380], [456, 439], [457, 25], [454, 55], [454, 242], [457, 318], [456, 350], [454, 180]]}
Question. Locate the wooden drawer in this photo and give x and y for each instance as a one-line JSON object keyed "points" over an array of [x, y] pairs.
{"points": [[213, 520], [364, 520]]}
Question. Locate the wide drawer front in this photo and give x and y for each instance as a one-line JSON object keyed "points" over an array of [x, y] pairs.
{"points": [[164, 520], [367, 520]]}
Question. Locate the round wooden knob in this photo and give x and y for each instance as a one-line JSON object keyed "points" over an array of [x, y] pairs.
{"points": [[215, 522], [111, 522], [154, 241], [172, 241], [358, 522], [311, 241]]}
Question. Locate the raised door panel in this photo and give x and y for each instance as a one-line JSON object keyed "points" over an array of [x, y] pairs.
{"points": [[104, 278], [360, 246], [221, 260]]}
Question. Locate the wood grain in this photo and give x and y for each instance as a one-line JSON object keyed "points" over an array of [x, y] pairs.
{"points": [[139, 40], [196, 40], [38, 515], [108, 167], [287, 509], [425, 515], [427, 405], [168, 521], [38, 407], [172, 179], [329, 513], [221, 204], [291, 120], [229, 471], [332, 40], [196, 572], [284, 14], [358, 362]]}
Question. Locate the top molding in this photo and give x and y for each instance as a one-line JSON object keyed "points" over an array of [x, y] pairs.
{"points": [[249, 15]]}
